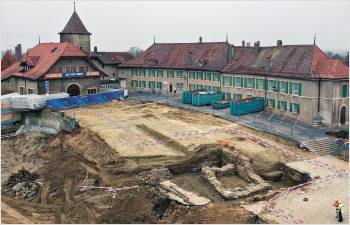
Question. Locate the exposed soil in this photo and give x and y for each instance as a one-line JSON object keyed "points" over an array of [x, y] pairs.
{"points": [[104, 151]]}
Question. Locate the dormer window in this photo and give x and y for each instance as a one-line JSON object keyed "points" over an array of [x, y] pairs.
{"points": [[202, 62], [153, 62]]}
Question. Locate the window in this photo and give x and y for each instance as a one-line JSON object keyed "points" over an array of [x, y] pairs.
{"points": [[207, 88], [103, 66], [192, 87], [250, 83], [344, 90], [207, 76], [271, 103], [271, 84], [295, 88], [133, 71], [159, 85], [179, 86], [237, 96], [114, 75], [170, 74], [159, 73], [283, 86], [238, 81], [283, 105], [152, 73], [134, 83], [179, 74], [261, 84], [199, 87], [59, 69], [216, 77], [216, 88], [91, 91], [142, 83], [227, 80], [294, 107], [152, 84], [30, 91], [200, 75], [192, 75], [142, 72], [21, 90], [227, 96]]}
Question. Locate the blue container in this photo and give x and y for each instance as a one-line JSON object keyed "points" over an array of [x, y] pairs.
{"points": [[206, 98], [220, 104], [187, 97], [256, 104]]}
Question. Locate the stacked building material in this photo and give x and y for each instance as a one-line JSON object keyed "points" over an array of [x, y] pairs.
{"points": [[8, 116], [249, 105]]}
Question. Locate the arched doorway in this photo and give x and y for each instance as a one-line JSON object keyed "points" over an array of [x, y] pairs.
{"points": [[342, 115], [73, 90]]}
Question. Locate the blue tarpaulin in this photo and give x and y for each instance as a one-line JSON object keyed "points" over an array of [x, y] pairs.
{"points": [[83, 100]]}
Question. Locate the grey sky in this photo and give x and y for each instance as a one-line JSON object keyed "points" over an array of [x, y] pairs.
{"points": [[118, 25]]}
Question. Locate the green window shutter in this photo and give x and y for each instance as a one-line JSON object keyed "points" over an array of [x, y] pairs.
{"points": [[233, 80], [299, 91], [290, 88], [290, 107], [285, 106], [242, 81], [278, 86], [254, 83], [273, 103], [245, 82], [278, 105], [266, 85], [298, 108], [344, 90]]}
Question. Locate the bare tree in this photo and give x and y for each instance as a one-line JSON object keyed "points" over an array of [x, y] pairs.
{"points": [[135, 51], [7, 59]]}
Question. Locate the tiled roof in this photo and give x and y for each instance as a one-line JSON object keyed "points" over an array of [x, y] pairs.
{"points": [[204, 56], [111, 57], [41, 58], [75, 26], [290, 61], [332, 68]]}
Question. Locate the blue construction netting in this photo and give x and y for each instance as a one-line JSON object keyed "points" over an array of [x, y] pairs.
{"points": [[83, 100]]}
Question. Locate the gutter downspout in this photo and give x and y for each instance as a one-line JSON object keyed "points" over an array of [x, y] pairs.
{"points": [[319, 96]]}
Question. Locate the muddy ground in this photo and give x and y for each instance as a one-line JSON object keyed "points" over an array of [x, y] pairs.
{"points": [[106, 151]]}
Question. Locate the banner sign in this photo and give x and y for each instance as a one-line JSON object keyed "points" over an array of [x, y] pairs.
{"points": [[78, 74]]}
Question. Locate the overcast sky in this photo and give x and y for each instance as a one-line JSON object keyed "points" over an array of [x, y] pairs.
{"points": [[118, 25]]}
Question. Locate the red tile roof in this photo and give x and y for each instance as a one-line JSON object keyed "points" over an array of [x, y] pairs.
{"points": [[112, 57], [42, 57], [203, 56], [290, 61], [332, 68], [75, 26]]}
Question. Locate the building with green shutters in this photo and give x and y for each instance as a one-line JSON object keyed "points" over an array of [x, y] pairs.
{"points": [[296, 81]]}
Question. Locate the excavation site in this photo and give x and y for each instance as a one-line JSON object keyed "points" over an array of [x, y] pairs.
{"points": [[134, 161]]}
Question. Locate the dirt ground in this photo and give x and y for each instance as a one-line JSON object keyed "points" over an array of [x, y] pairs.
{"points": [[114, 144]]}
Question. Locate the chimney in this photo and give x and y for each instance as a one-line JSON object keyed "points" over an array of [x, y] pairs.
{"points": [[257, 44], [248, 44], [230, 53], [200, 39], [268, 64], [279, 42], [257, 47], [243, 43], [189, 59], [18, 52], [95, 49]]}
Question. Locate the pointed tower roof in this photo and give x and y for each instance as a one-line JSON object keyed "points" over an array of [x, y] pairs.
{"points": [[75, 26]]}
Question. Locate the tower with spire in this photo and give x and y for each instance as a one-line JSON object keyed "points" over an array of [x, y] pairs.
{"points": [[76, 33]]}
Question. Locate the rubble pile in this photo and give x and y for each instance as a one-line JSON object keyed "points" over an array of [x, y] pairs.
{"points": [[22, 183], [155, 176], [26, 189]]}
